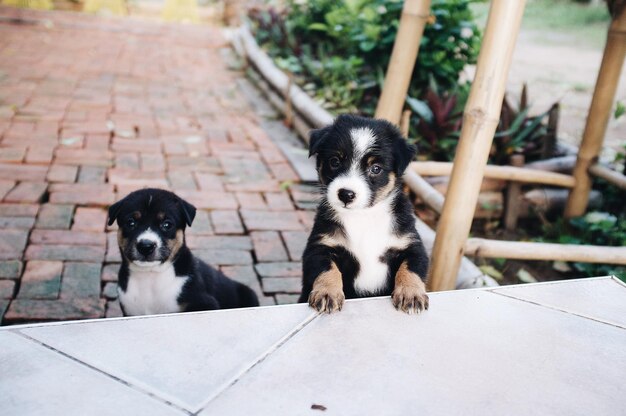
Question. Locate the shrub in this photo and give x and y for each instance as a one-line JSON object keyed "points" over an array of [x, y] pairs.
{"points": [[339, 49]]}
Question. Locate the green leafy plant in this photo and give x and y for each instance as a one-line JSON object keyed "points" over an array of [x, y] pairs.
{"points": [[339, 49], [595, 228]]}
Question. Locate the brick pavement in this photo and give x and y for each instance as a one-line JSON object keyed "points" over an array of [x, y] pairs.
{"points": [[91, 109]]}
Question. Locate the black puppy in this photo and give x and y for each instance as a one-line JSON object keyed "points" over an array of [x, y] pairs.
{"points": [[364, 241], [158, 273]]}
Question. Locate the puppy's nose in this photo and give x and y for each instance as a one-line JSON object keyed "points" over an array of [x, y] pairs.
{"points": [[346, 196], [146, 247]]}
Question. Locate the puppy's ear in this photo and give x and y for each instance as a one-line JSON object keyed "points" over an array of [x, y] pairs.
{"points": [[403, 153], [114, 211], [188, 211], [316, 138]]}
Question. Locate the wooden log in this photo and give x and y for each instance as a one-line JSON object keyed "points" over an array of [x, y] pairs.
{"points": [[560, 164], [513, 193], [599, 113], [402, 61], [480, 119], [424, 190], [608, 175], [305, 105], [441, 183], [405, 122], [481, 247], [508, 173], [548, 200]]}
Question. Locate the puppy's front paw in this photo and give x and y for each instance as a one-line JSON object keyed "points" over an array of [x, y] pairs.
{"points": [[410, 298], [327, 299]]}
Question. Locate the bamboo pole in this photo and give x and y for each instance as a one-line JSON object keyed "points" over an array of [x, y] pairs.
{"points": [[402, 61], [599, 113], [608, 175], [424, 190], [507, 173], [405, 122], [480, 247], [480, 120]]}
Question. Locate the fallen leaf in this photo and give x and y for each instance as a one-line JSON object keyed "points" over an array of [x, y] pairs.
{"points": [[491, 271]]}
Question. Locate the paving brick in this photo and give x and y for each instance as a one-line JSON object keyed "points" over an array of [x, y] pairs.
{"points": [[231, 242], [12, 243], [5, 187], [281, 284], [278, 201], [113, 309], [271, 155], [181, 180], [27, 192], [64, 252], [152, 162], [209, 182], [18, 210], [82, 194], [307, 218], [127, 161], [15, 172], [62, 173], [90, 219], [283, 172], [10, 269], [126, 177], [41, 280], [284, 269], [110, 290], [18, 223], [201, 224], [224, 257], [113, 254], [268, 246], [251, 200], [271, 220], [12, 154], [21, 310], [4, 305], [296, 243], [226, 222], [209, 200], [81, 280], [254, 186], [7, 289], [247, 276], [84, 157], [55, 216], [110, 272], [68, 237], [285, 299], [92, 174], [39, 155]]}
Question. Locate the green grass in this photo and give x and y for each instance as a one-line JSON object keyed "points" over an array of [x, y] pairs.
{"points": [[560, 21]]}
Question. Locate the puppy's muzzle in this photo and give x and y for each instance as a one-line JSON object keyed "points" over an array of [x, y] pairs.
{"points": [[346, 195], [146, 247]]}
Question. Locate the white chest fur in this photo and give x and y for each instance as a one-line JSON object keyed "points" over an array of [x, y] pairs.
{"points": [[152, 290], [369, 235]]}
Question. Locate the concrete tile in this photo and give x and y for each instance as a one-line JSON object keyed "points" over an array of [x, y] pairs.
{"points": [[37, 381], [594, 298], [472, 353], [183, 357]]}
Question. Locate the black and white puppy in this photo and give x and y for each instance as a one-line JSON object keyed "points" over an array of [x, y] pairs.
{"points": [[158, 272], [364, 241]]}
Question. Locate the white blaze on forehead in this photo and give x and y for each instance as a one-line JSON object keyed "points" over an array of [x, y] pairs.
{"points": [[150, 236], [362, 139]]}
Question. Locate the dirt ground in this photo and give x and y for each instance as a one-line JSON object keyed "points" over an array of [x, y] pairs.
{"points": [[557, 68]]}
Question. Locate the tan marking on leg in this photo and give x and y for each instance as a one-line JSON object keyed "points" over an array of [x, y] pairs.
{"points": [[387, 189], [409, 293], [327, 294]]}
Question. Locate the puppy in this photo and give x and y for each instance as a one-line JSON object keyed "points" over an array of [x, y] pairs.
{"points": [[158, 272], [364, 241]]}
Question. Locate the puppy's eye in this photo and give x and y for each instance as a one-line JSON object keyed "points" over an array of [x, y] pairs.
{"points": [[334, 162], [375, 169], [166, 225], [131, 223]]}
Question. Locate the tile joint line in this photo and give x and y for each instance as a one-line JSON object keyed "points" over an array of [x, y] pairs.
{"points": [[257, 361], [96, 369], [554, 308]]}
